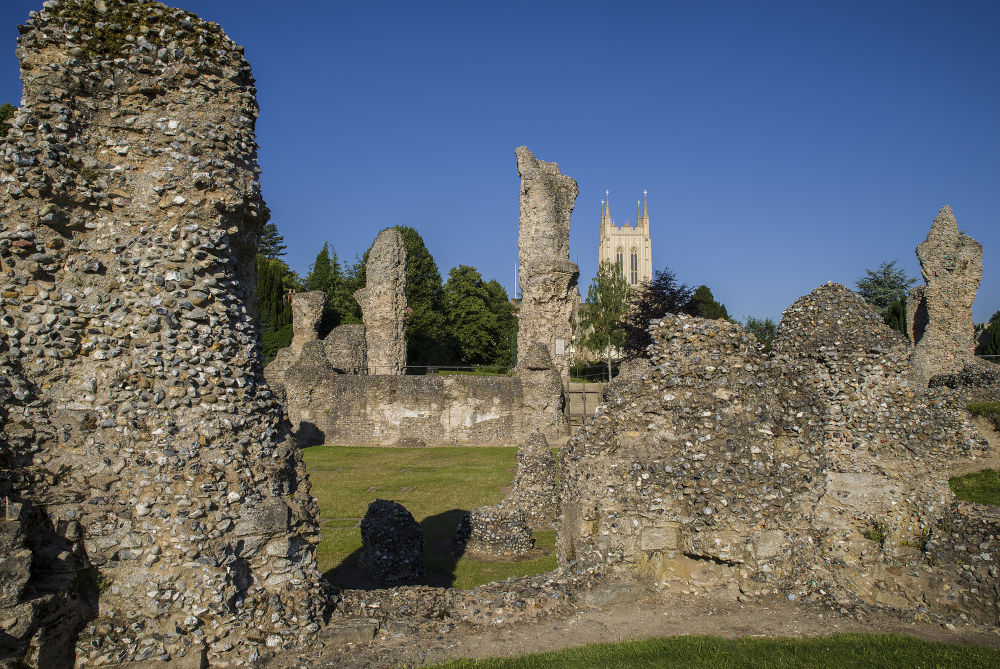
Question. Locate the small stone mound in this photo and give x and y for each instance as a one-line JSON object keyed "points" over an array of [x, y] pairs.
{"points": [[533, 490], [833, 321], [392, 544], [495, 530]]}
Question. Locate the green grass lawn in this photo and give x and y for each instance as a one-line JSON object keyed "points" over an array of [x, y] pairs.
{"points": [[842, 651], [990, 410], [436, 485], [982, 487]]}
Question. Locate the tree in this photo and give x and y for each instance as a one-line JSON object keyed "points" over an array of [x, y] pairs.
{"points": [[499, 303], [479, 317], [703, 304], [7, 111], [764, 330], [885, 285], [271, 244], [324, 275], [274, 280], [991, 341], [895, 315], [663, 295], [603, 321]]}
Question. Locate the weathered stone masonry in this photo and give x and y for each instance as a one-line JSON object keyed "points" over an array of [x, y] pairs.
{"points": [[547, 276], [136, 431]]}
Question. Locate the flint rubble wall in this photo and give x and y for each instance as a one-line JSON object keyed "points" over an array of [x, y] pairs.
{"points": [[159, 496]]}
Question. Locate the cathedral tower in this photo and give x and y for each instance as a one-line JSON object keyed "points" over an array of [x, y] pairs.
{"points": [[627, 246]]}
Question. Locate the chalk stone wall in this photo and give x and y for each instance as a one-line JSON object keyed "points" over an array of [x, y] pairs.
{"points": [[380, 410]]}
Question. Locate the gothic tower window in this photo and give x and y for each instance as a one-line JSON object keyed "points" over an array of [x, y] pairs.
{"points": [[634, 277], [620, 261]]}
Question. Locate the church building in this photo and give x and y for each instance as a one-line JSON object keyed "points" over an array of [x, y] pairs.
{"points": [[627, 246]]}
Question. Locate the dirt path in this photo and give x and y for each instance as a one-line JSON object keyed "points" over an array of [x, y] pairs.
{"points": [[652, 616]]}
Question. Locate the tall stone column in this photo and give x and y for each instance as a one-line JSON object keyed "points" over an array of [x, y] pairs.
{"points": [[383, 304], [547, 276], [132, 405], [940, 311]]}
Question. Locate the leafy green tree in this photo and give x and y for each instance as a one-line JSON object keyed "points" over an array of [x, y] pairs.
{"points": [[663, 295], [271, 244], [603, 321], [764, 330], [7, 111], [351, 281], [478, 316], [887, 284], [703, 304], [426, 328], [506, 327]]}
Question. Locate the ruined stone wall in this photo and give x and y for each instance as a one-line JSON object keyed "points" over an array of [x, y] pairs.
{"points": [[434, 410], [817, 473], [547, 277], [940, 315], [136, 429]]}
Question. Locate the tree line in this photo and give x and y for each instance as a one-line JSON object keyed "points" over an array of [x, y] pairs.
{"points": [[462, 321], [616, 317]]}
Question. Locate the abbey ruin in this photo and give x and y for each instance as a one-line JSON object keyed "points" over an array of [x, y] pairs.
{"points": [[156, 508], [350, 388]]}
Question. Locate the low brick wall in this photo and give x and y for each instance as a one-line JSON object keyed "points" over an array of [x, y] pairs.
{"points": [[393, 410]]}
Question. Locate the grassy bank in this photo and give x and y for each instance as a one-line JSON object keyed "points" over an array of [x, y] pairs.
{"points": [[436, 485], [842, 651]]}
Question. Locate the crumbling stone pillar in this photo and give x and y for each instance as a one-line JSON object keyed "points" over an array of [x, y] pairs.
{"points": [[383, 304], [952, 265], [134, 410], [547, 276], [307, 309]]}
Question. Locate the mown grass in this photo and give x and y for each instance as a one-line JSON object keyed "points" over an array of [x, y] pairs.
{"points": [[436, 485], [841, 651], [982, 487], [990, 410]]}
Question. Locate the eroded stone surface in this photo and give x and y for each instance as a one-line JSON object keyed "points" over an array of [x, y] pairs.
{"points": [[345, 348], [547, 277], [383, 304], [137, 422], [817, 473], [952, 265]]}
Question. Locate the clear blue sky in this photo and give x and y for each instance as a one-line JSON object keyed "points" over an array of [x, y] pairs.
{"points": [[783, 144]]}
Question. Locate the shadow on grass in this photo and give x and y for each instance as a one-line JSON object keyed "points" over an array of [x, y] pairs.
{"points": [[440, 557]]}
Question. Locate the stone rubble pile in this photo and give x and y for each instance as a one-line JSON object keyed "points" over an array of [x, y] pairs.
{"points": [[392, 544], [496, 530], [534, 490], [160, 497], [816, 473], [509, 601]]}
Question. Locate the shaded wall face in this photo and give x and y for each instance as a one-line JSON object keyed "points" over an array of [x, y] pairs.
{"points": [[129, 211]]}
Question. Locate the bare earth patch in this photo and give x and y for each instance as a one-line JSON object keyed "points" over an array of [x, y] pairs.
{"points": [[627, 616]]}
